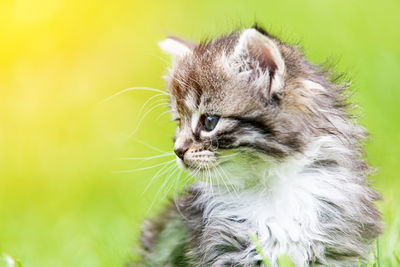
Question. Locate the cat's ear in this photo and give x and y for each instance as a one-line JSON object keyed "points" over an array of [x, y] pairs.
{"points": [[266, 56], [176, 47]]}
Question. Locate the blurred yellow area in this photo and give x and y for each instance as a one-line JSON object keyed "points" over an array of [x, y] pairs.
{"points": [[61, 204]]}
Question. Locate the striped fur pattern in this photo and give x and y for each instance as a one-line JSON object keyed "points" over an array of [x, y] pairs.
{"points": [[284, 161]]}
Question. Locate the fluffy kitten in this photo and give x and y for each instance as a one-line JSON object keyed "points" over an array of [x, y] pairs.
{"points": [[279, 153]]}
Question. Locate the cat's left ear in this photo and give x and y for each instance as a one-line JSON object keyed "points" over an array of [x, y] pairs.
{"points": [[266, 56], [176, 47]]}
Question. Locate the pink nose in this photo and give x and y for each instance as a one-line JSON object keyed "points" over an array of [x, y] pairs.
{"points": [[180, 151]]}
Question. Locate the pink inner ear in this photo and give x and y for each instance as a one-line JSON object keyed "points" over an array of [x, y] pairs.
{"points": [[260, 52], [188, 44], [267, 62], [271, 66]]}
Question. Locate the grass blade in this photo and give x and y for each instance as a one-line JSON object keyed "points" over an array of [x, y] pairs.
{"points": [[255, 241]]}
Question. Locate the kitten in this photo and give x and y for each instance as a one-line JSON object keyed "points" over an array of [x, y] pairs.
{"points": [[280, 155]]}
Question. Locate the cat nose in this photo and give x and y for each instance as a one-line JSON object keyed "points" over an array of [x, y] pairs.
{"points": [[180, 151]]}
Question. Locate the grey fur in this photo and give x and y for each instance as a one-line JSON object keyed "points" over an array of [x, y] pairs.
{"points": [[307, 119]]}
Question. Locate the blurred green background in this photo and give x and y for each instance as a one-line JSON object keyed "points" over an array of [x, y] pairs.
{"points": [[61, 202]]}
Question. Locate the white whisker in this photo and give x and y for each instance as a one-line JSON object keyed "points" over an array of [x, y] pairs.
{"points": [[147, 158], [137, 88], [160, 172], [162, 186], [209, 178], [147, 101], [231, 155], [235, 190], [173, 183], [149, 146], [142, 118], [162, 114], [145, 168], [219, 176], [171, 173]]}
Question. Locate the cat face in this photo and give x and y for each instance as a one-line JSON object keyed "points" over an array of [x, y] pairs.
{"points": [[243, 97]]}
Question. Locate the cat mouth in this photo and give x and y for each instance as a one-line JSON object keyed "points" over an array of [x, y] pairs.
{"points": [[196, 165], [200, 167], [204, 167]]}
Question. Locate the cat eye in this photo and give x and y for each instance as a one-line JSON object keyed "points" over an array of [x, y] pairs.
{"points": [[210, 122]]}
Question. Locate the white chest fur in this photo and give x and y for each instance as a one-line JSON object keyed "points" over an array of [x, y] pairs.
{"points": [[285, 221], [291, 216]]}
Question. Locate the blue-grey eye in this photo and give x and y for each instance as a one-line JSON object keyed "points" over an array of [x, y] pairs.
{"points": [[210, 122]]}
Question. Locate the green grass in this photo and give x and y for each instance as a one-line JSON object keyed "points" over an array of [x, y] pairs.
{"points": [[61, 202], [284, 261], [259, 249], [9, 261], [377, 261]]}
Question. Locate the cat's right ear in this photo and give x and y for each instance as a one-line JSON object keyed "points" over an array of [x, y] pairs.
{"points": [[176, 47], [266, 59]]}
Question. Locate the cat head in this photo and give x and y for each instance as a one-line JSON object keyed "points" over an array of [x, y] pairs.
{"points": [[245, 95]]}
